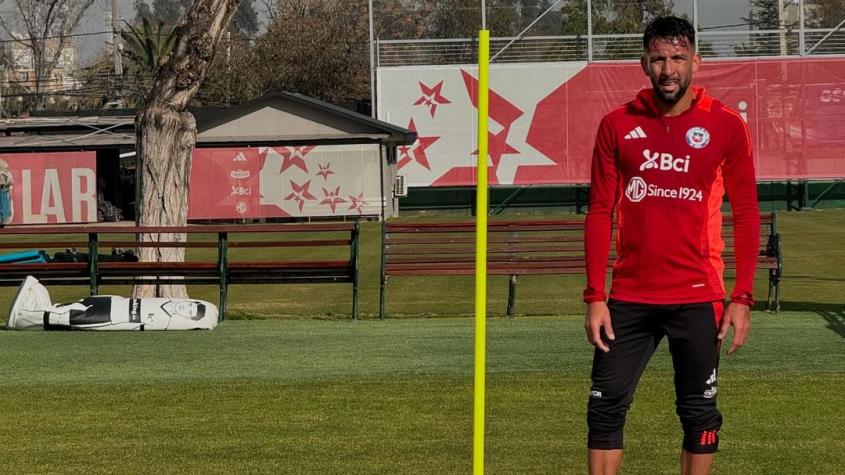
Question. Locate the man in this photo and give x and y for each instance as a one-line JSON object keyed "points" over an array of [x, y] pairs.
{"points": [[664, 162]]}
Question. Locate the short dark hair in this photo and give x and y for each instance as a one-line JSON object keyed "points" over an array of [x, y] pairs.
{"points": [[669, 28]]}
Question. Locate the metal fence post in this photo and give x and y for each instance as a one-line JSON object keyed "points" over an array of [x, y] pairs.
{"points": [[355, 251], [223, 270], [372, 63], [512, 255], [93, 263], [589, 31], [695, 21], [801, 44], [383, 286]]}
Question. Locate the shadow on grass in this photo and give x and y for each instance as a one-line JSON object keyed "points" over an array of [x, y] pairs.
{"points": [[834, 314]]}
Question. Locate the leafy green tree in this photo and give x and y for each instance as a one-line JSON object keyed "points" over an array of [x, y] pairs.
{"points": [[611, 18], [231, 76], [765, 15], [142, 10], [246, 19], [287, 53], [169, 11], [146, 45], [549, 25]]}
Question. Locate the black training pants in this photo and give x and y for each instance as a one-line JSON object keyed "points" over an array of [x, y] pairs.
{"points": [[692, 333]]}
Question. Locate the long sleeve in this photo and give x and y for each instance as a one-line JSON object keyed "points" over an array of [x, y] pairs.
{"points": [[741, 186], [604, 186]]}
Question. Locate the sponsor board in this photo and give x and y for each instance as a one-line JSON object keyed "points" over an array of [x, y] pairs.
{"points": [[54, 187], [263, 182], [544, 117]]}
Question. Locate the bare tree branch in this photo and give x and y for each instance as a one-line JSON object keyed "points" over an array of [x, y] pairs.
{"points": [[49, 25]]}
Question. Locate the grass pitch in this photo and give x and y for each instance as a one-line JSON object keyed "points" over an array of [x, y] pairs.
{"points": [[308, 396], [301, 395]]}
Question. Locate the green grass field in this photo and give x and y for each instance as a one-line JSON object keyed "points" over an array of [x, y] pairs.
{"points": [[326, 395]]}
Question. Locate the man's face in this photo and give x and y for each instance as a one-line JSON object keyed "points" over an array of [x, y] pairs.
{"points": [[670, 64], [193, 309]]}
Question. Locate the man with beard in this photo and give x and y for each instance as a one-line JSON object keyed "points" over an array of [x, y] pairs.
{"points": [[664, 162]]}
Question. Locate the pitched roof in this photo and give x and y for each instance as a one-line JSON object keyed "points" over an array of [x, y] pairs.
{"points": [[275, 118]]}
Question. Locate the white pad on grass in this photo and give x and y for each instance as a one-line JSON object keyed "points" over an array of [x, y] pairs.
{"points": [[33, 310]]}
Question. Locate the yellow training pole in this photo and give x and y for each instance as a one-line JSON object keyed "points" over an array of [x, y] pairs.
{"points": [[481, 256]]}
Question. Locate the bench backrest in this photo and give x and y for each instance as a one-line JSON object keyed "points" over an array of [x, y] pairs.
{"points": [[60, 237], [221, 245], [533, 246]]}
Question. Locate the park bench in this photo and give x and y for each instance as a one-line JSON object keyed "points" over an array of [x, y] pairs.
{"points": [[245, 254], [527, 247]]}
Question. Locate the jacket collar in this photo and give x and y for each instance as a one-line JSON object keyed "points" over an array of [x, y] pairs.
{"points": [[644, 102]]}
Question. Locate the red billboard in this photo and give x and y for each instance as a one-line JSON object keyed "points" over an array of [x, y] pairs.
{"points": [[795, 111], [224, 184], [54, 187], [272, 182], [544, 116]]}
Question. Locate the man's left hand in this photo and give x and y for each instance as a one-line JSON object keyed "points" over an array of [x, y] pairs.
{"points": [[737, 315]]}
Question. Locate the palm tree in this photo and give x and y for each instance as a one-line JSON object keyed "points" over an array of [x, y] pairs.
{"points": [[146, 47]]}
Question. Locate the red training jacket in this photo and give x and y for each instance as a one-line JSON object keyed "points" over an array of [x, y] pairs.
{"points": [[666, 177]]}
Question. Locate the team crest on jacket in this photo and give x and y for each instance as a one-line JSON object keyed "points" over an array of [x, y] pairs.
{"points": [[698, 137]]}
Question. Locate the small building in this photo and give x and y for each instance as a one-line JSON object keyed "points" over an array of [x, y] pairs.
{"points": [[280, 156]]}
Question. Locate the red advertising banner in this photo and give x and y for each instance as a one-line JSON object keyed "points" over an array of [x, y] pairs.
{"points": [[272, 182], [55, 187], [544, 116], [224, 184], [795, 110]]}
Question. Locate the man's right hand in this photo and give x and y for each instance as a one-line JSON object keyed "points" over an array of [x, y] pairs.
{"points": [[598, 317]]}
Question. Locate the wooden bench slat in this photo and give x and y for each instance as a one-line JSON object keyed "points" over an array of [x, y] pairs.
{"points": [[439, 240], [145, 266], [490, 224], [504, 271], [82, 246], [238, 265], [42, 245], [492, 250], [313, 243], [158, 245], [490, 264], [490, 229], [295, 279], [44, 266], [191, 229]]}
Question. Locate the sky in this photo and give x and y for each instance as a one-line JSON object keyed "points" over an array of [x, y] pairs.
{"points": [[711, 13], [95, 21]]}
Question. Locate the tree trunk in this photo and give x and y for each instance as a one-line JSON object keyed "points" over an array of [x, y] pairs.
{"points": [[162, 187], [166, 134]]}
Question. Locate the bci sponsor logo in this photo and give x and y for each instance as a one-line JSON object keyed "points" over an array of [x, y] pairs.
{"points": [[664, 162]]}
